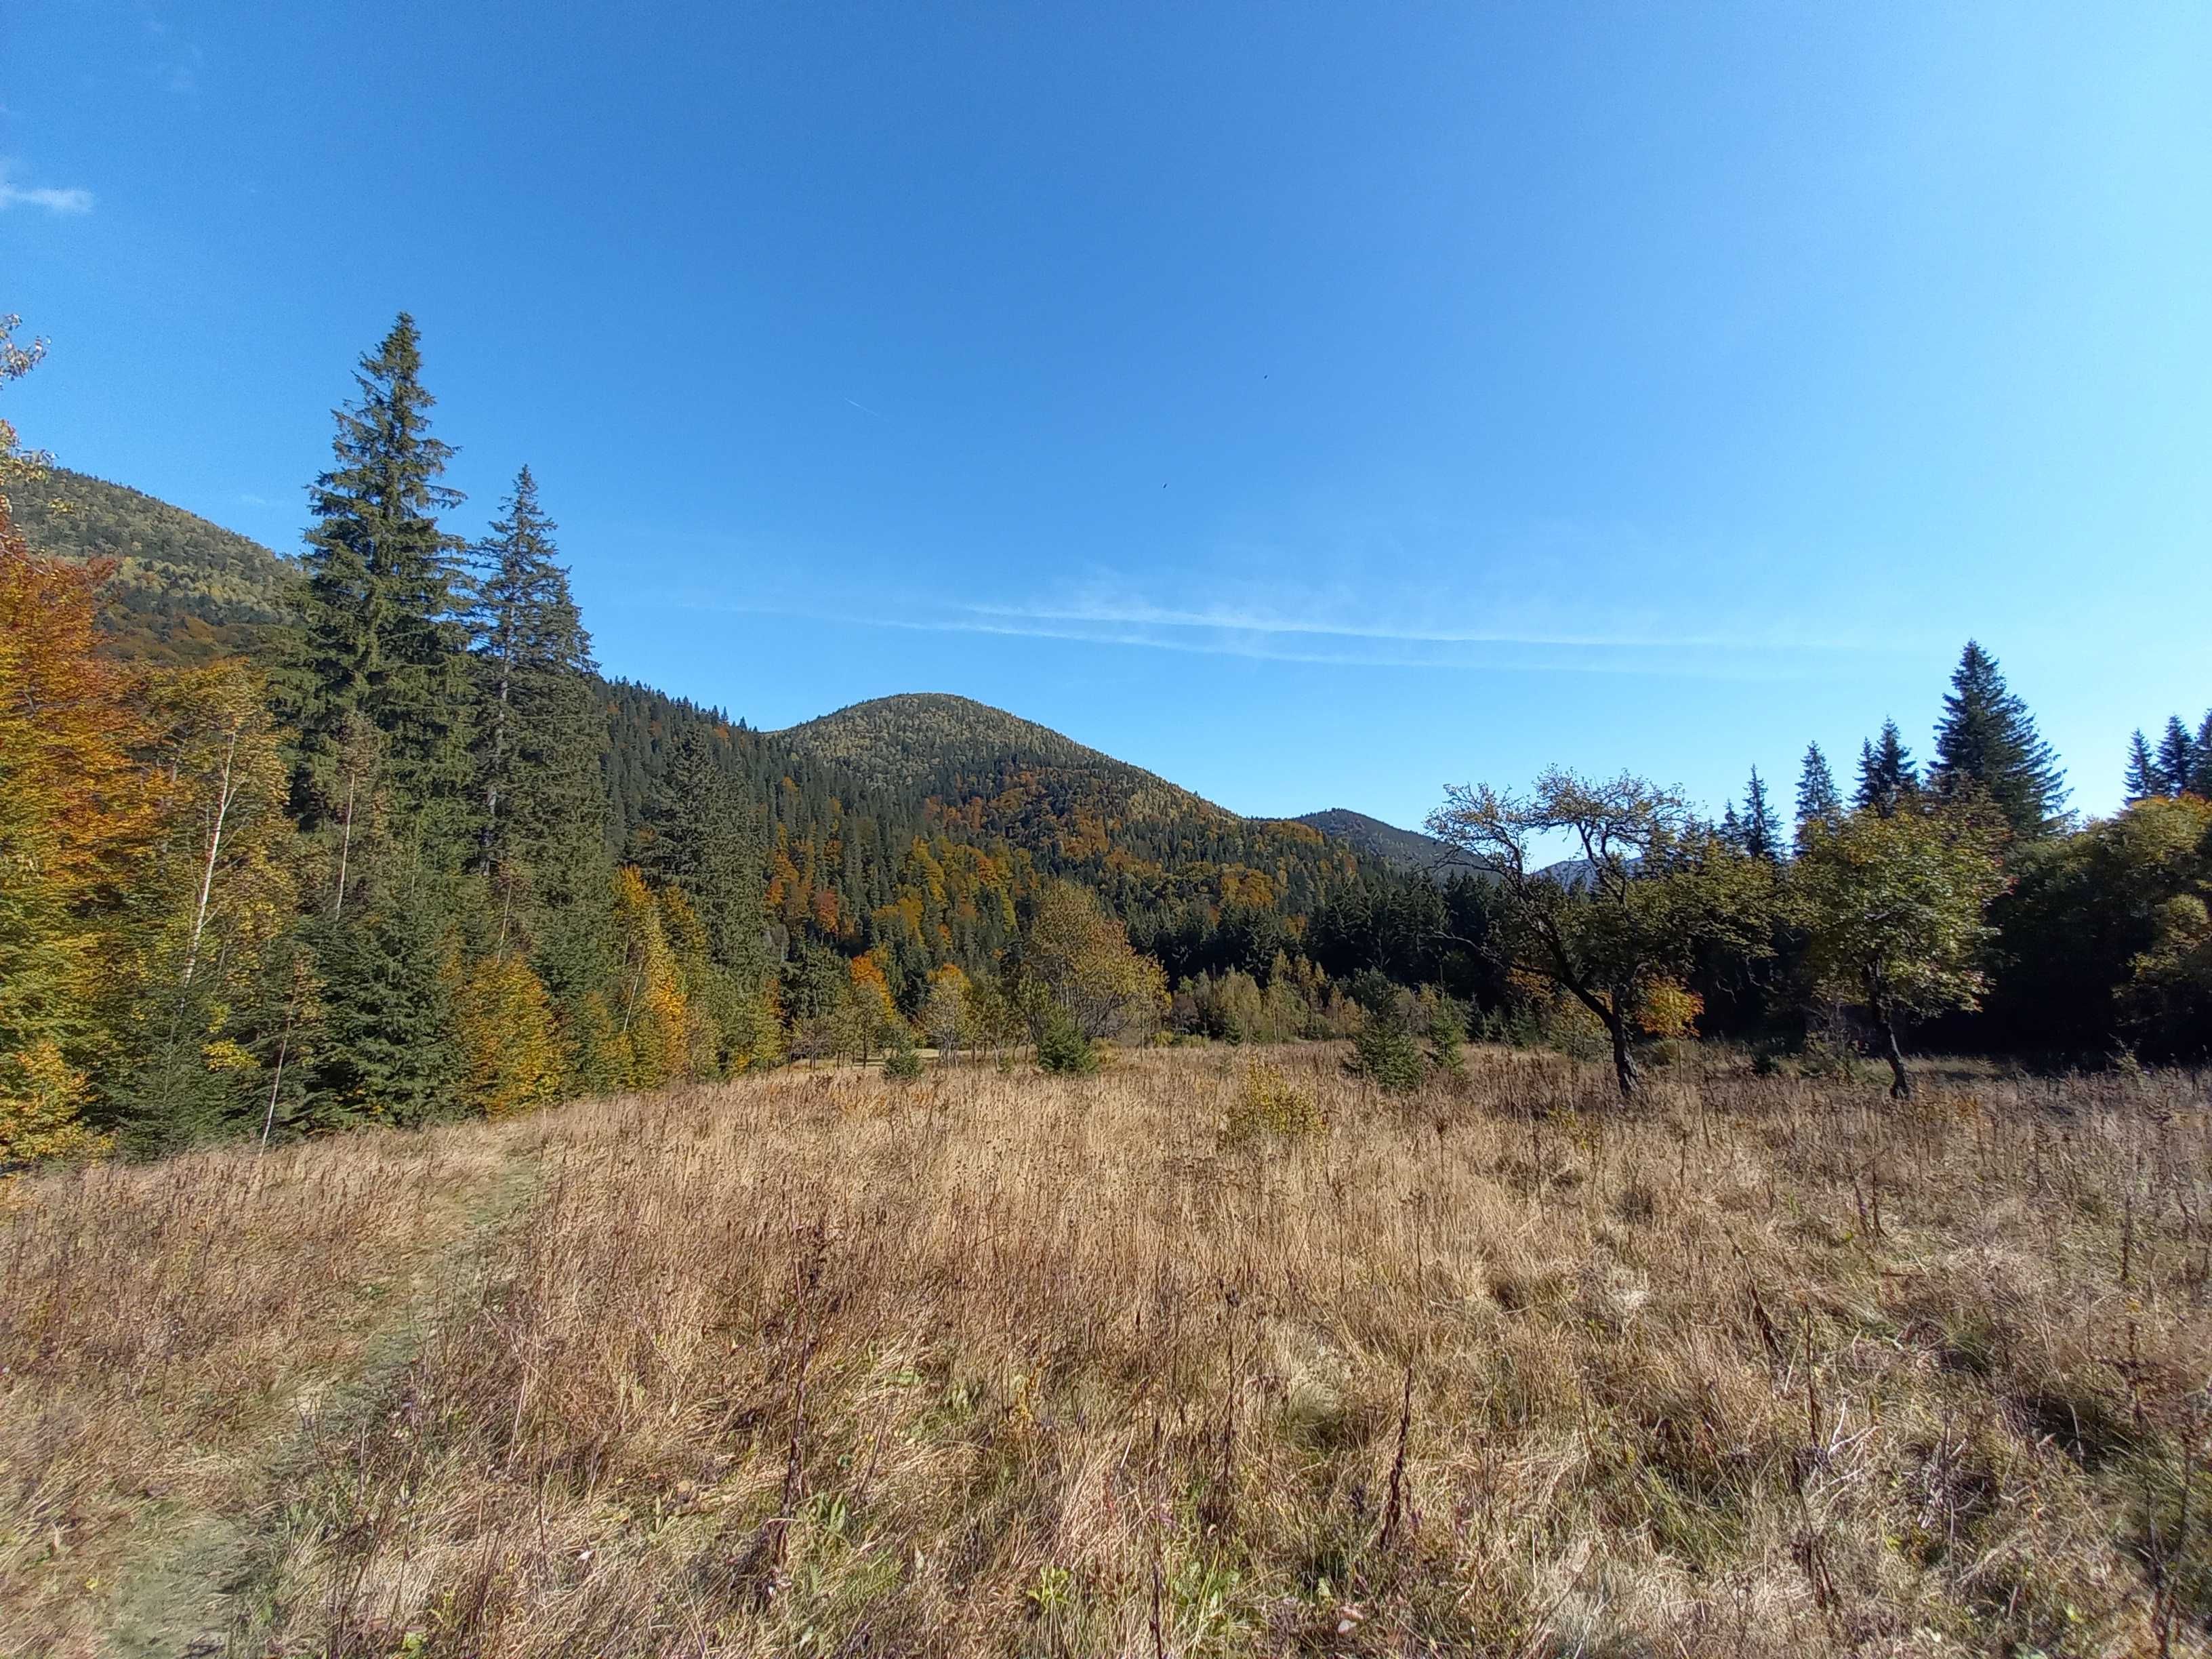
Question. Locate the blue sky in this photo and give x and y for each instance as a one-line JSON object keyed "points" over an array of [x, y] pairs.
{"points": [[1317, 404]]}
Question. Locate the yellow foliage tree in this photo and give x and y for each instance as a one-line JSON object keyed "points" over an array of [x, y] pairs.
{"points": [[510, 1046]]}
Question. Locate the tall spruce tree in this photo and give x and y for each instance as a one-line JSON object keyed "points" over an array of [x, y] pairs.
{"points": [[2144, 780], [2200, 778], [2177, 757], [1817, 800], [377, 635], [699, 839], [1988, 740], [1760, 837], [540, 794], [1886, 773]]}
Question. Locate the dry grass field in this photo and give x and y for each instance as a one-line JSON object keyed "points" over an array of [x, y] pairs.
{"points": [[987, 1363]]}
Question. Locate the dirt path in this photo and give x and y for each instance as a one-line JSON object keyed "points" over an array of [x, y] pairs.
{"points": [[191, 1580]]}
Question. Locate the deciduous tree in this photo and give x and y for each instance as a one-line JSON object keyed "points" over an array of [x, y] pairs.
{"points": [[1896, 904], [1653, 886]]}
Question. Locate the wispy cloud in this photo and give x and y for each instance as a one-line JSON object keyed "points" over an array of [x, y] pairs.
{"points": [[54, 201], [1312, 644]]}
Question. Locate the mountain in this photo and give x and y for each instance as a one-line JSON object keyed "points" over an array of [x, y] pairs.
{"points": [[1401, 849], [184, 591], [1175, 867]]}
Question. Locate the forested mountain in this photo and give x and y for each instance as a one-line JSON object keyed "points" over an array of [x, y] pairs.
{"points": [[1401, 849], [184, 591], [913, 827]]}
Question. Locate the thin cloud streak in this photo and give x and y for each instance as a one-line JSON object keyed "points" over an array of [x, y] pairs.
{"points": [[54, 201], [1271, 623], [1261, 646]]}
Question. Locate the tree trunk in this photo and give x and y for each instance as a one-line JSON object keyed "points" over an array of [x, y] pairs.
{"points": [[1885, 1025], [1624, 1060], [1900, 1084]]}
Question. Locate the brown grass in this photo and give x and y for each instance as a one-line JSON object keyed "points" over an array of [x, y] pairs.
{"points": [[986, 1364]]}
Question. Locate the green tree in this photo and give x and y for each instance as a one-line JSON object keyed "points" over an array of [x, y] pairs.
{"points": [[378, 637], [1761, 837], [1988, 742], [697, 839], [540, 795], [2143, 779], [1895, 904], [1886, 773], [2177, 757], [1654, 887], [1817, 800]]}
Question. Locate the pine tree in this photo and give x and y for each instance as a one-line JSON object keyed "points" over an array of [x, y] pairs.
{"points": [[1886, 773], [1760, 838], [1987, 740], [698, 841], [2177, 757], [390, 1052], [377, 634], [540, 792], [1817, 800], [2200, 779], [2144, 780]]}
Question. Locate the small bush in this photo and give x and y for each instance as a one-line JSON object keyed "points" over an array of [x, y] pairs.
{"points": [[1065, 1052], [1384, 1054], [1266, 1104], [903, 1062]]}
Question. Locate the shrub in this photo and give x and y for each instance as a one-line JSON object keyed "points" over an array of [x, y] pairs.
{"points": [[902, 1060], [1267, 1104], [1384, 1054], [1064, 1051]]}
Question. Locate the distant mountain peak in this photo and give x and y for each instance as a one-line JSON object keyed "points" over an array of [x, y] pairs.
{"points": [[1402, 849]]}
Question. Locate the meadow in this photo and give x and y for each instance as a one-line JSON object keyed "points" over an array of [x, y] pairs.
{"points": [[1220, 1352]]}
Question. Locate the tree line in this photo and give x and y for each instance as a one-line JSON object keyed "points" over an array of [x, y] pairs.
{"points": [[418, 858]]}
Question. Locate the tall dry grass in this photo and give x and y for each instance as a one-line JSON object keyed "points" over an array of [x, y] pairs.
{"points": [[987, 1365]]}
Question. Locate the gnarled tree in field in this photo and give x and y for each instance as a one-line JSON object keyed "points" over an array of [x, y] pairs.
{"points": [[1652, 885]]}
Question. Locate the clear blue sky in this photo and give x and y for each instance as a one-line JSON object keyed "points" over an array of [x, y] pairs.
{"points": [[1314, 404]]}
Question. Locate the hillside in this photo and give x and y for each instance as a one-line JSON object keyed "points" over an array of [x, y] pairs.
{"points": [[185, 590], [1401, 849], [1170, 863]]}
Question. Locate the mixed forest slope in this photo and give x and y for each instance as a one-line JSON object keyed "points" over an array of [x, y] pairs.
{"points": [[185, 590], [918, 823]]}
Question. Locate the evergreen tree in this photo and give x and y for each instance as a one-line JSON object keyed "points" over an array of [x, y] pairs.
{"points": [[1817, 800], [2144, 780], [377, 634], [390, 1052], [540, 789], [697, 839], [2177, 757], [1988, 740], [2200, 779], [1760, 836], [1886, 773]]}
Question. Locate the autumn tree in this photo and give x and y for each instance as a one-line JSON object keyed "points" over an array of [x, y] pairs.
{"points": [[1895, 906], [1652, 887], [78, 826], [219, 899], [1076, 959]]}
